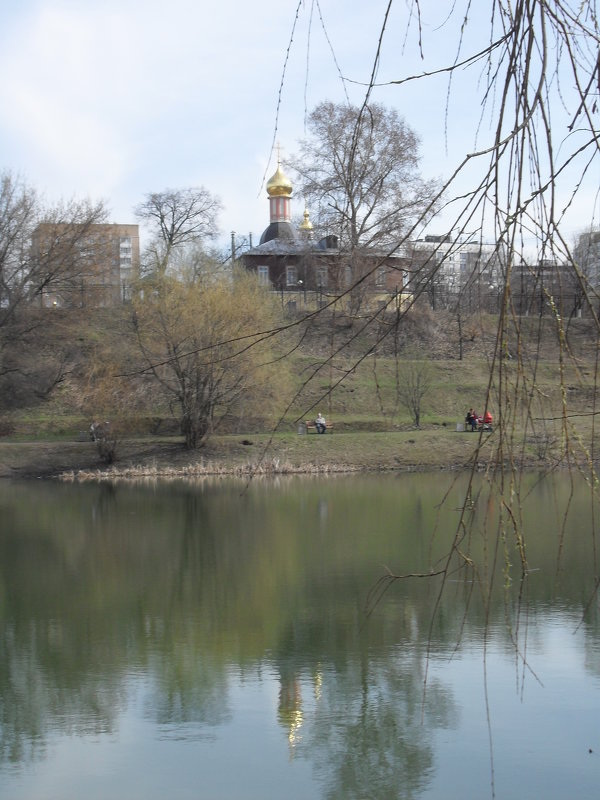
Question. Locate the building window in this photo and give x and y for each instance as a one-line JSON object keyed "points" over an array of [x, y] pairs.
{"points": [[321, 277], [125, 261], [380, 277], [125, 248], [291, 276], [348, 275], [263, 275]]}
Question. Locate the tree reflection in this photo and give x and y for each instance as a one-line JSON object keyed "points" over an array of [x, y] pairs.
{"points": [[361, 718], [381, 749], [42, 691], [188, 690]]}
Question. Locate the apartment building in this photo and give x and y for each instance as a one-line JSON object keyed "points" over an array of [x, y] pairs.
{"points": [[449, 267], [91, 265]]}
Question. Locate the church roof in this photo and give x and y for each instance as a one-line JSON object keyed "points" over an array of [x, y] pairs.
{"points": [[279, 247], [281, 231]]}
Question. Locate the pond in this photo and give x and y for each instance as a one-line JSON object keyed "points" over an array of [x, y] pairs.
{"points": [[222, 640]]}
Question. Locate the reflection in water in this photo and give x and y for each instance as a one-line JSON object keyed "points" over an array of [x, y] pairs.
{"points": [[289, 713], [234, 622]]}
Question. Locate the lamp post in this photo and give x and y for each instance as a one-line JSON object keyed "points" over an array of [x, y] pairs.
{"points": [[302, 285]]}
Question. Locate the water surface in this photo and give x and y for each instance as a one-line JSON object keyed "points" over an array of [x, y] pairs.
{"points": [[212, 641]]}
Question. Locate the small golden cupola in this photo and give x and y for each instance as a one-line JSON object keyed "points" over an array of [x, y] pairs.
{"points": [[306, 226]]}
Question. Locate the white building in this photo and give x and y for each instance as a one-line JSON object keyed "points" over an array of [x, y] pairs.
{"points": [[449, 268]]}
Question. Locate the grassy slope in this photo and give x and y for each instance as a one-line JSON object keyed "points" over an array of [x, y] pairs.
{"points": [[370, 430], [365, 437]]}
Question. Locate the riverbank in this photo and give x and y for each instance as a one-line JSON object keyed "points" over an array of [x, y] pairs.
{"points": [[438, 447]]}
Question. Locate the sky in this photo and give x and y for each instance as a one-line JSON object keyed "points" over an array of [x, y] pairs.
{"points": [[113, 99]]}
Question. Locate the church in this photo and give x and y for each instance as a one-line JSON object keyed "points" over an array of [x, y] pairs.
{"points": [[314, 273]]}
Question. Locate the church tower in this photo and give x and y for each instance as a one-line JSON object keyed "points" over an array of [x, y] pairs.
{"points": [[279, 189]]}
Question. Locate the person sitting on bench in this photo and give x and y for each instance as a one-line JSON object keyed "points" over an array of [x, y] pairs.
{"points": [[320, 423], [471, 419]]}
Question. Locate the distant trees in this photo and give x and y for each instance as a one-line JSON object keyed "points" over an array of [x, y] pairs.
{"points": [[177, 219]]}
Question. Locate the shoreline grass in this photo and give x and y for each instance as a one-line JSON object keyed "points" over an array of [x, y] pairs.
{"points": [[426, 449]]}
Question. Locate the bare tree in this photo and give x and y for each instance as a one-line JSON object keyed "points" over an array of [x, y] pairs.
{"points": [[414, 383], [359, 173], [27, 270], [176, 218], [28, 273], [196, 263], [199, 345]]}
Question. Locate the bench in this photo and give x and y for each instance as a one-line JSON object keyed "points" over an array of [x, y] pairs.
{"points": [[309, 424], [481, 426], [99, 431]]}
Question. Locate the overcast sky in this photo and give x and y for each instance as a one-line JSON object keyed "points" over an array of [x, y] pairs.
{"points": [[112, 99]]}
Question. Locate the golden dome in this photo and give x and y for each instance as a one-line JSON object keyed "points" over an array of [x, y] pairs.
{"points": [[306, 224], [279, 185]]}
